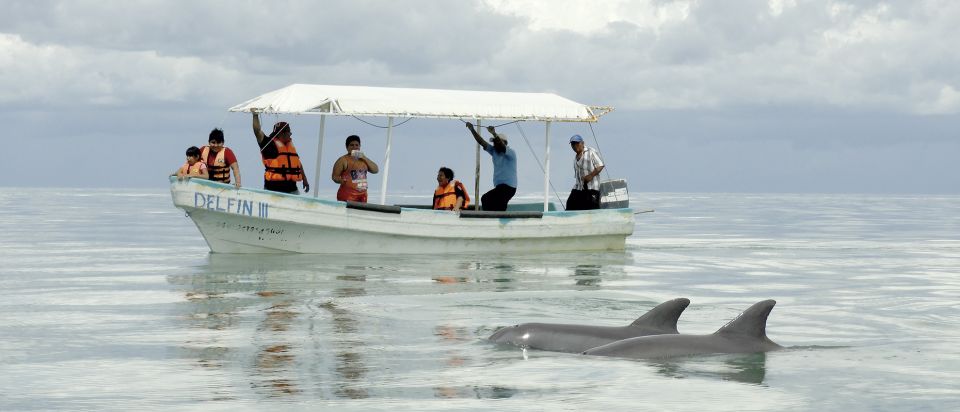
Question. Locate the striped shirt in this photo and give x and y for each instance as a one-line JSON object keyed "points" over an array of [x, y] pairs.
{"points": [[588, 162]]}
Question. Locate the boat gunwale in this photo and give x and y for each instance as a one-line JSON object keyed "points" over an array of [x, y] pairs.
{"points": [[395, 209]]}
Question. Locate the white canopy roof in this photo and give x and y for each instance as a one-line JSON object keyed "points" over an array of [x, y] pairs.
{"points": [[402, 102]]}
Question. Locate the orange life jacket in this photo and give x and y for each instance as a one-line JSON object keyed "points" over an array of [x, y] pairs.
{"points": [[286, 166], [188, 170], [445, 198], [218, 169]]}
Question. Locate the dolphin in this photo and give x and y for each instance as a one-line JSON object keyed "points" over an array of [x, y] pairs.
{"points": [[578, 338], [747, 333]]}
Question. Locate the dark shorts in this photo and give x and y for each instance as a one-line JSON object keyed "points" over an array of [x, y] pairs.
{"points": [[583, 200], [284, 186], [497, 198]]}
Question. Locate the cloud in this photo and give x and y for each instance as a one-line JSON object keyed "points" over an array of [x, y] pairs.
{"points": [[772, 80], [866, 55], [590, 17], [58, 76], [161, 50], [947, 101], [631, 54]]}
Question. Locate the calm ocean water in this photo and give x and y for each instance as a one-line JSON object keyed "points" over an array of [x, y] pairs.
{"points": [[111, 301]]}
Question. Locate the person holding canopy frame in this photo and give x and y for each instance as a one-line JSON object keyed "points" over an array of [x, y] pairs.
{"points": [[281, 163], [504, 170]]}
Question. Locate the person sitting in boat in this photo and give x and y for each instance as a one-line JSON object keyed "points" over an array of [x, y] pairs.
{"points": [[219, 159], [282, 168], [193, 167], [504, 170], [350, 171], [586, 167], [450, 194]]}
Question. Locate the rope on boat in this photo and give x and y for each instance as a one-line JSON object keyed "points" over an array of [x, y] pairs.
{"points": [[381, 127], [220, 123], [597, 142], [276, 118], [534, 153], [503, 124]]}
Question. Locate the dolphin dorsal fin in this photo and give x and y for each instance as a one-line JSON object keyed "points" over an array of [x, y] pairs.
{"points": [[752, 322], [664, 316]]}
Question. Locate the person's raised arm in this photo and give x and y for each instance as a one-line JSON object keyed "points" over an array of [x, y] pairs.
{"points": [[476, 136], [256, 127], [497, 140]]}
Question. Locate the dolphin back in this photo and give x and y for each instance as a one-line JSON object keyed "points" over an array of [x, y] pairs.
{"points": [[664, 316], [751, 323], [745, 334], [662, 319]]}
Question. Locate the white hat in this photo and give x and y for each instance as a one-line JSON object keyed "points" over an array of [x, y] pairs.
{"points": [[503, 136]]}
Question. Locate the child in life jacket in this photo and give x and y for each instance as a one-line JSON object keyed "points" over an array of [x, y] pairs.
{"points": [[193, 167]]}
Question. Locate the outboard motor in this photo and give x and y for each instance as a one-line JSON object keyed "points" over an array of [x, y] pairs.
{"points": [[614, 194]]}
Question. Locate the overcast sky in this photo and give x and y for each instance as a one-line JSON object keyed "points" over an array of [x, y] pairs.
{"points": [[854, 96]]}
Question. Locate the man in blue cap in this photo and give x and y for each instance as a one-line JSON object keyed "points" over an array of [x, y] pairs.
{"points": [[504, 170], [586, 167]]}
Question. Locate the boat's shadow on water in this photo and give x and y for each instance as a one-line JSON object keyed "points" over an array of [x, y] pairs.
{"points": [[749, 368], [738, 367], [744, 368]]}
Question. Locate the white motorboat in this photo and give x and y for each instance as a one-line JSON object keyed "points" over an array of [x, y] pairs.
{"points": [[257, 221]]}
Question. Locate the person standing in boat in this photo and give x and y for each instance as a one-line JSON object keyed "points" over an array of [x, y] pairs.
{"points": [[219, 159], [586, 167], [282, 168], [504, 170], [449, 194], [350, 171]]}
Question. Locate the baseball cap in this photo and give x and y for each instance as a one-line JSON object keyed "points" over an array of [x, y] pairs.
{"points": [[576, 138]]}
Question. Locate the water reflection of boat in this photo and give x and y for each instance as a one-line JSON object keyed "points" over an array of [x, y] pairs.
{"points": [[257, 221], [231, 294], [308, 325]]}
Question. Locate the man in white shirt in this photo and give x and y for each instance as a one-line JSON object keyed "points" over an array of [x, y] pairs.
{"points": [[587, 165]]}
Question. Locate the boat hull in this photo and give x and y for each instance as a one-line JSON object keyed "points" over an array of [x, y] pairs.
{"points": [[256, 221]]}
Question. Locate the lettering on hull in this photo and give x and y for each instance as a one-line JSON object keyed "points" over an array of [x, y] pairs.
{"points": [[263, 233], [231, 205]]}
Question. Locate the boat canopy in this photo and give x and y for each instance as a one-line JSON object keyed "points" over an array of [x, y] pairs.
{"points": [[420, 103]]}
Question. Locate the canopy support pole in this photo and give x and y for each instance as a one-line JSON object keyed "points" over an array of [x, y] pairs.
{"points": [[316, 174], [546, 170], [476, 174], [386, 163]]}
